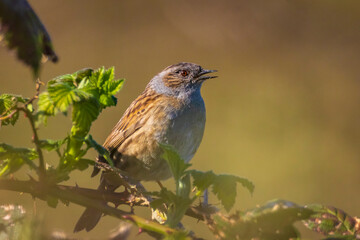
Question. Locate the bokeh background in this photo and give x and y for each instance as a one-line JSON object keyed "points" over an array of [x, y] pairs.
{"points": [[284, 111]]}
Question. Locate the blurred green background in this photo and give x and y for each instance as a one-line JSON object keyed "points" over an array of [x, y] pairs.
{"points": [[284, 111]]}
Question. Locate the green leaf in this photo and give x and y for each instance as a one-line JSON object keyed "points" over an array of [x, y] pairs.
{"points": [[112, 87], [99, 148], [202, 180], [84, 163], [83, 73], [64, 94], [84, 113], [8, 105], [51, 145], [25, 33], [106, 100], [274, 220], [176, 164], [331, 221], [12, 159], [224, 186], [46, 108]]}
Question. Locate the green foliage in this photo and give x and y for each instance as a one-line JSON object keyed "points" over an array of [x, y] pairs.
{"points": [[332, 222], [25, 33], [91, 143], [11, 158], [274, 220], [88, 92], [223, 186], [8, 105], [176, 164]]}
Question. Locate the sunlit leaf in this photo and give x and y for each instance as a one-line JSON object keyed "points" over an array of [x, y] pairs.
{"points": [[12, 159], [84, 113], [64, 94], [176, 164], [8, 105]]}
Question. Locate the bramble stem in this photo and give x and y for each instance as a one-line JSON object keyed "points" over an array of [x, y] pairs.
{"points": [[42, 170], [71, 194]]}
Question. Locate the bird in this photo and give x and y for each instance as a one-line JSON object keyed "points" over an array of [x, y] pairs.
{"points": [[169, 111]]}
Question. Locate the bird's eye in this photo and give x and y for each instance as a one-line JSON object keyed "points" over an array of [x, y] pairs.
{"points": [[184, 73]]}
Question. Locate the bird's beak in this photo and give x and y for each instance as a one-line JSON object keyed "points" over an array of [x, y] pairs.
{"points": [[201, 76]]}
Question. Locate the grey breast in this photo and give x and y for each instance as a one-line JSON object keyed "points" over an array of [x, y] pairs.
{"points": [[187, 128]]}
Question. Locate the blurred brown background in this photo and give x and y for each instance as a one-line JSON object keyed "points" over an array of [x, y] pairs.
{"points": [[284, 111]]}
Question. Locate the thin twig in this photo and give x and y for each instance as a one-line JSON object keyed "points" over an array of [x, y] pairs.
{"points": [[72, 194], [39, 83], [8, 116], [42, 170]]}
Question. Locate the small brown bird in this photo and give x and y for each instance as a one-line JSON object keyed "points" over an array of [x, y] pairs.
{"points": [[171, 110]]}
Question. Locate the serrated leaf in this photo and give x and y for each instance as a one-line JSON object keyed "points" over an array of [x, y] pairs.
{"points": [[45, 104], [83, 73], [112, 87], [25, 33], [224, 187], [176, 164], [106, 100], [8, 105], [64, 94], [202, 180], [12, 159], [84, 113]]}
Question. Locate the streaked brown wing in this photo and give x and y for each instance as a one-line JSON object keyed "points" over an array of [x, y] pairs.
{"points": [[131, 121]]}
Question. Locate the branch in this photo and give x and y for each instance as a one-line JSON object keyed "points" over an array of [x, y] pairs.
{"points": [[42, 170], [84, 197]]}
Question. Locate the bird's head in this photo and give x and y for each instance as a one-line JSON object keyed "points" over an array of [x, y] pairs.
{"points": [[180, 78]]}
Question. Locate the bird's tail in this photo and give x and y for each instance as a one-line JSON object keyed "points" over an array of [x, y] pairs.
{"points": [[91, 216], [88, 220]]}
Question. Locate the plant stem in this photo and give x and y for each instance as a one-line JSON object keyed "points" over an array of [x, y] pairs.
{"points": [[39, 190], [42, 170]]}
